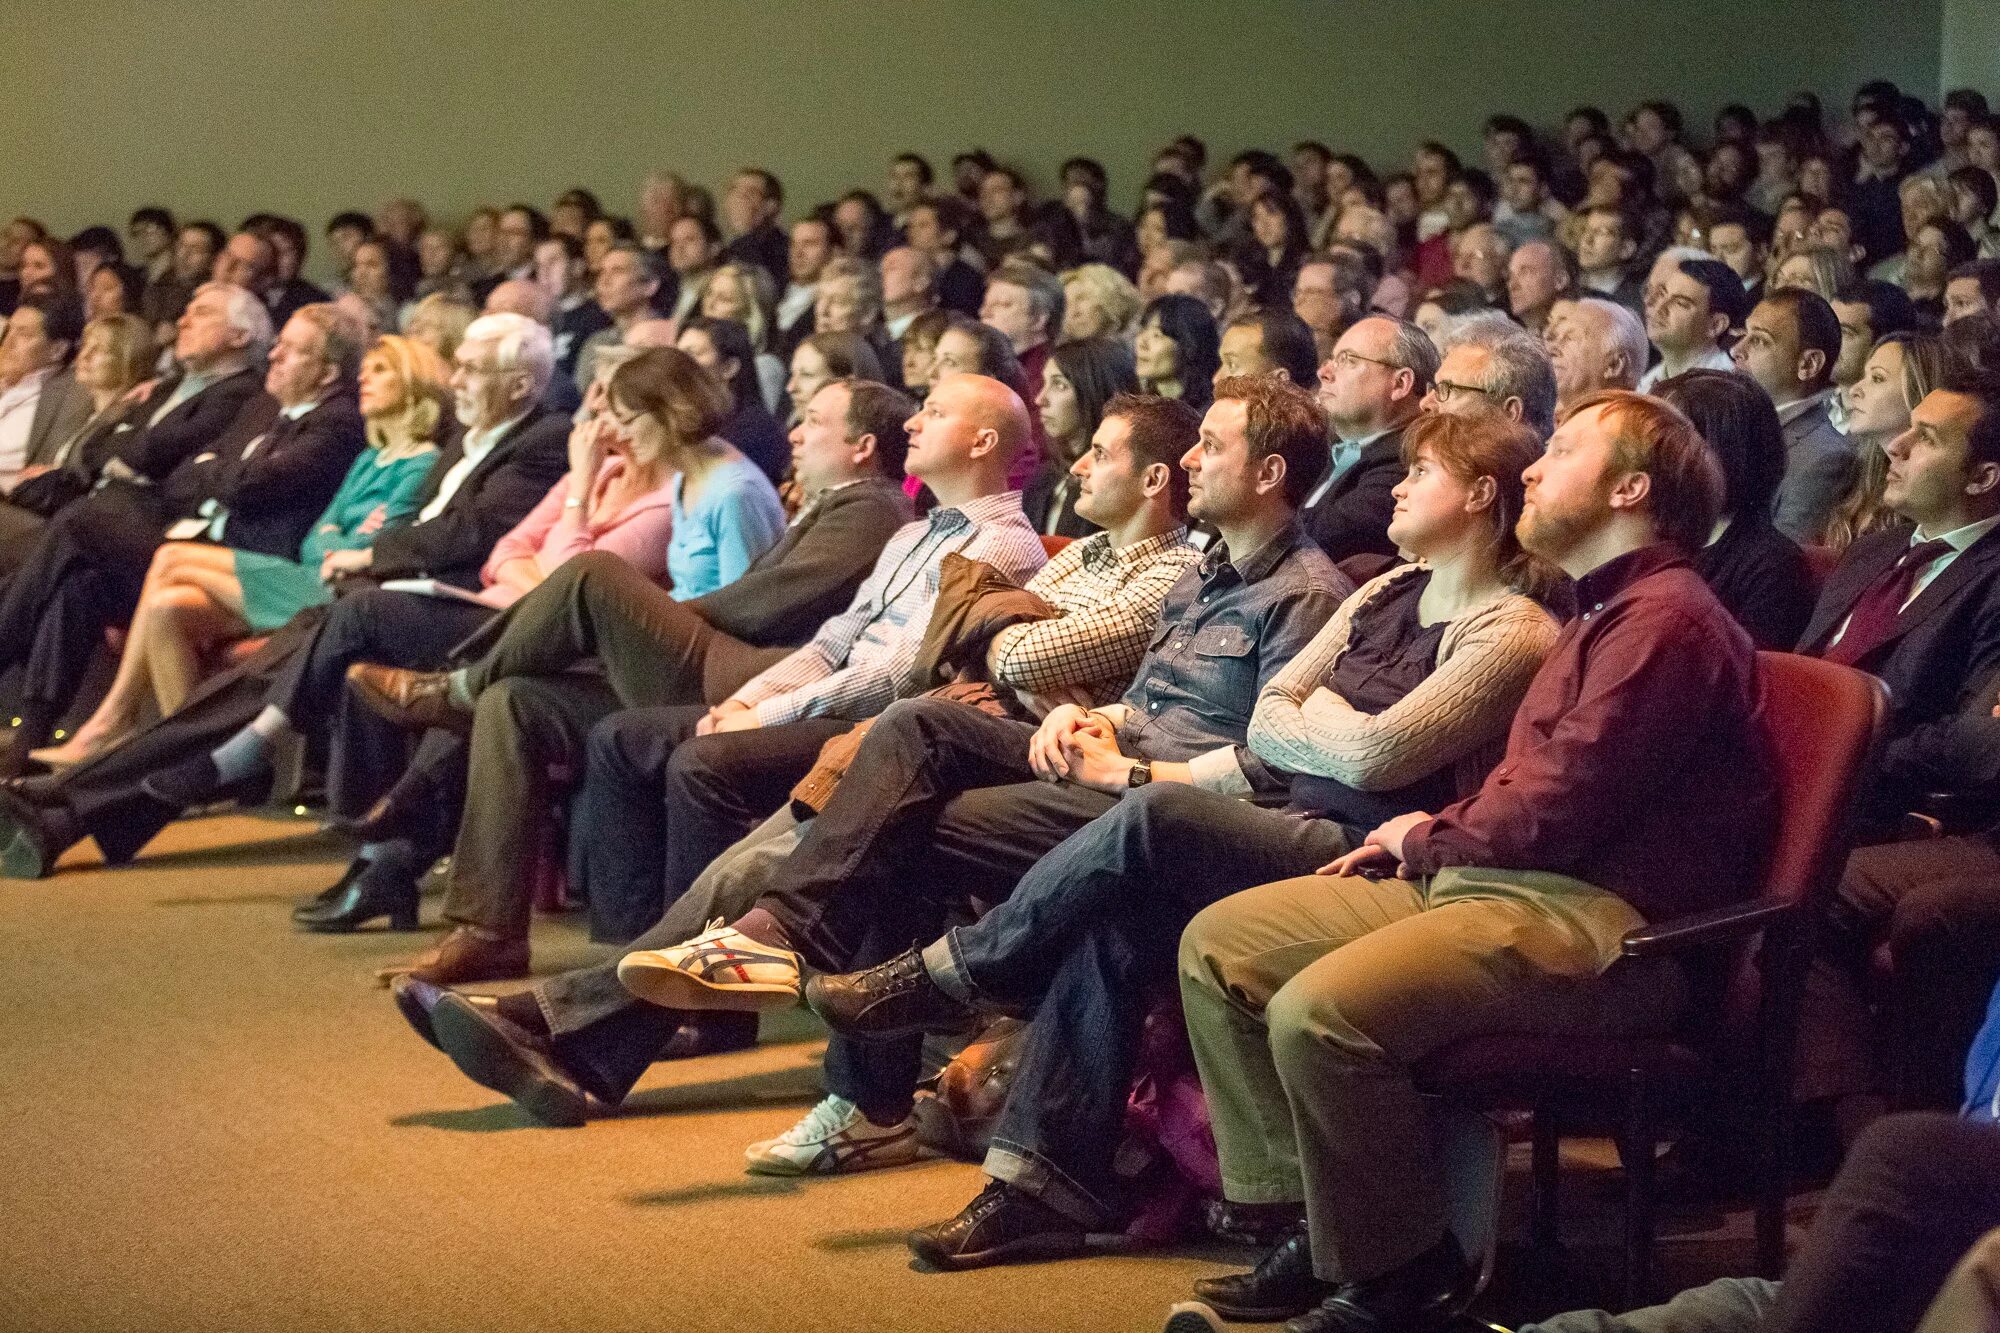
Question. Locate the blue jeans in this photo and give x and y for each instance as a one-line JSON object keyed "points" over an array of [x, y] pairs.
{"points": [[1089, 937]]}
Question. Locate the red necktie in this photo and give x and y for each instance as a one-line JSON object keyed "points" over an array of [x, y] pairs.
{"points": [[1873, 619]]}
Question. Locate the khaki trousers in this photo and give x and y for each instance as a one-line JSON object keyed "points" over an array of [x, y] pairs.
{"points": [[1309, 1001]]}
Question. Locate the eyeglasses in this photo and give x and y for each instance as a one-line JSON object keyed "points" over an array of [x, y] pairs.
{"points": [[1444, 390], [1345, 360]]}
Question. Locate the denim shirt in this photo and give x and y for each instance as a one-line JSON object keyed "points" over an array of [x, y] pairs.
{"points": [[1225, 631]]}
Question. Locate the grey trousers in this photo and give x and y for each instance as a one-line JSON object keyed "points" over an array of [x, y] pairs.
{"points": [[1309, 1001]]}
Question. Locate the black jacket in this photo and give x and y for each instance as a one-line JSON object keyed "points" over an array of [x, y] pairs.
{"points": [[1352, 518], [1945, 647], [155, 450], [273, 475], [1761, 577], [530, 458]]}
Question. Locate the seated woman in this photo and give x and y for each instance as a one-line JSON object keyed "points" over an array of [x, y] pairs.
{"points": [[1079, 378], [1178, 350], [920, 342], [1901, 368], [722, 347], [1099, 302], [1758, 573], [823, 358], [968, 347], [1402, 699], [198, 596], [743, 292]]}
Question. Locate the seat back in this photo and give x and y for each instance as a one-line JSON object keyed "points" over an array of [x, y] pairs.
{"points": [[1820, 563], [1051, 544], [1820, 720]]}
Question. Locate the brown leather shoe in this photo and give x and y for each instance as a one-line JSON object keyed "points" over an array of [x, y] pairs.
{"points": [[413, 700], [467, 954]]}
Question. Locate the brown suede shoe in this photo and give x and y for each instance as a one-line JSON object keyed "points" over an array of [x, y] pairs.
{"points": [[413, 700], [467, 954]]}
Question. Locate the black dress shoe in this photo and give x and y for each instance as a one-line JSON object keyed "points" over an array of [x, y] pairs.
{"points": [[415, 999], [331, 893], [405, 811], [1003, 1225], [1280, 1286], [507, 1058], [376, 891], [889, 1000], [1425, 1295], [191, 782], [31, 837]]}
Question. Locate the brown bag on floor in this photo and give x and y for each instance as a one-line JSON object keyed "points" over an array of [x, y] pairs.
{"points": [[956, 1116]]}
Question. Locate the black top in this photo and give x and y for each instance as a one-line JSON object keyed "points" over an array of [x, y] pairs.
{"points": [[1389, 653], [1762, 578], [757, 434], [1050, 499]]}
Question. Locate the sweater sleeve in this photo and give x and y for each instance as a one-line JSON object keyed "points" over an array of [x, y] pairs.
{"points": [[1468, 701], [525, 537]]}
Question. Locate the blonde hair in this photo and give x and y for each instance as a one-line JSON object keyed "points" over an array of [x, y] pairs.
{"points": [[759, 298], [426, 390], [450, 317], [1111, 292], [128, 344]]}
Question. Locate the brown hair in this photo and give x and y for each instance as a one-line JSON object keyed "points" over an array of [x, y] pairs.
{"points": [[1470, 448], [128, 342], [1656, 438], [1281, 418], [670, 386], [1162, 430]]}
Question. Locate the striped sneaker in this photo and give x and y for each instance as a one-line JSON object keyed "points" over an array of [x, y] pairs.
{"points": [[833, 1138], [721, 968]]}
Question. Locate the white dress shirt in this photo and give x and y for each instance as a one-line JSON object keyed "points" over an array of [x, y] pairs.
{"points": [[478, 444], [17, 417]]}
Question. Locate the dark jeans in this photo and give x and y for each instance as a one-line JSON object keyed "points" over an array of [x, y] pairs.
{"points": [[1089, 938], [1914, 1194], [932, 814], [1937, 907]]}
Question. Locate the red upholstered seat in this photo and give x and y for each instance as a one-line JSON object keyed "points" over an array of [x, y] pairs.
{"points": [[1051, 544], [1821, 720]]}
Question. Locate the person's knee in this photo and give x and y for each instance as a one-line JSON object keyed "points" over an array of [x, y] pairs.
{"points": [[1305, 1022], [1930, 915], [1162, 806], [1201, 947]]}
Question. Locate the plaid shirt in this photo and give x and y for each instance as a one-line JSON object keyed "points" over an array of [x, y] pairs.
{"points": [[1110, 598], [859, 661]]}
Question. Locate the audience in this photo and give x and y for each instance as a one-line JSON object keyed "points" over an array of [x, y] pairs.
{"points": [[617, 656]]}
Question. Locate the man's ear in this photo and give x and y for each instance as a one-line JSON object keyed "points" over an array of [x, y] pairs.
{"points": [[1811, 362], [1984, 477], [1513, 407], [1631, 490], [1155, 479], [1271, 472], [862, 448]]}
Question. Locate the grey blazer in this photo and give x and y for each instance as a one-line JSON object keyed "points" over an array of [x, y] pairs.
{"points": [[1820, 467], [60, 413]]}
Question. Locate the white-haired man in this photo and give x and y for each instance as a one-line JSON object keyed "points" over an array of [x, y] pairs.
{"points": [[1594, 343]]}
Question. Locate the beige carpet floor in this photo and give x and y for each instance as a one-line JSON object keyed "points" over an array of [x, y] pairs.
{"points": [[209, 1122]]}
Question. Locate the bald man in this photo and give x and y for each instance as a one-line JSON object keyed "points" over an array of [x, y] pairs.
{"points": [[763, 736]]}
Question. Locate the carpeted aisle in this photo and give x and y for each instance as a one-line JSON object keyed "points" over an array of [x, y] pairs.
{"points": [[210, 1122]]}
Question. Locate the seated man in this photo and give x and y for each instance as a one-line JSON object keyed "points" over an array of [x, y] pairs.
{"points": [[1309, 1000], [1918, 606], [220, 741], [258, 487], [960, 444], [1594, 344], [1401, 701], [1371, 387], [1689, 315], [1790, 344], [947, 777], [984, 798], [41, 404], [526, 705]]}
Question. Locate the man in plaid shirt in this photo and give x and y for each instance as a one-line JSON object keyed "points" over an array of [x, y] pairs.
{"points": [[1110, 588]]}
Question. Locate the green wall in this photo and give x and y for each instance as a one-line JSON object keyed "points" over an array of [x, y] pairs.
{"points": [[308, 106]]}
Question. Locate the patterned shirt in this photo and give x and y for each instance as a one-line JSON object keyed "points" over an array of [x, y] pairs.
{"points": [[1111, 599], [858, 662]]}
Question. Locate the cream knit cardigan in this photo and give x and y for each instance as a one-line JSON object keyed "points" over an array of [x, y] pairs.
{"points": [[1458, 715]]}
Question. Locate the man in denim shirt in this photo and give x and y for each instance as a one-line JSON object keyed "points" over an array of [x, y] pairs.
{"points": [[972, 801]]}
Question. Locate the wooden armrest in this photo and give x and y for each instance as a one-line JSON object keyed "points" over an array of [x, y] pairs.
{"points": [[1704, 928]]}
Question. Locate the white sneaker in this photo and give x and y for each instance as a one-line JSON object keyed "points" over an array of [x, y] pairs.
{"points": [[721, 968], [834, 1137]]}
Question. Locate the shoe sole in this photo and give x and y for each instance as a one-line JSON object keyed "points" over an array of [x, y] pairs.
{"points": [[1030, 1249], [850, 1166], [1194, 1317], [672, 988], [482, 1056], [414, 1013]]}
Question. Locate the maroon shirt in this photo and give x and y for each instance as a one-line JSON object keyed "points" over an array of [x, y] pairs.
{"points": [[1636, 762]]}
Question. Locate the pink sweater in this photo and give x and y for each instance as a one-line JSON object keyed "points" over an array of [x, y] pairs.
{"points": [[552, 534]]}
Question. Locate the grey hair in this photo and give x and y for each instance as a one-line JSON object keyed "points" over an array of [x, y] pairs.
{"points": [[246, 315], [1627, 335], [519, 343], [1411, 348], [867, 280], [1518, 367]]}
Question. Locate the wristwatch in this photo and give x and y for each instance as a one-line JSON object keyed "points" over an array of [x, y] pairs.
{"points": [[1140, 775]]}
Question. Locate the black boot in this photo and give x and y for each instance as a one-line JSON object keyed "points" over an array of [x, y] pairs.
{"points": [[382, 888], [1280, 1286]]}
